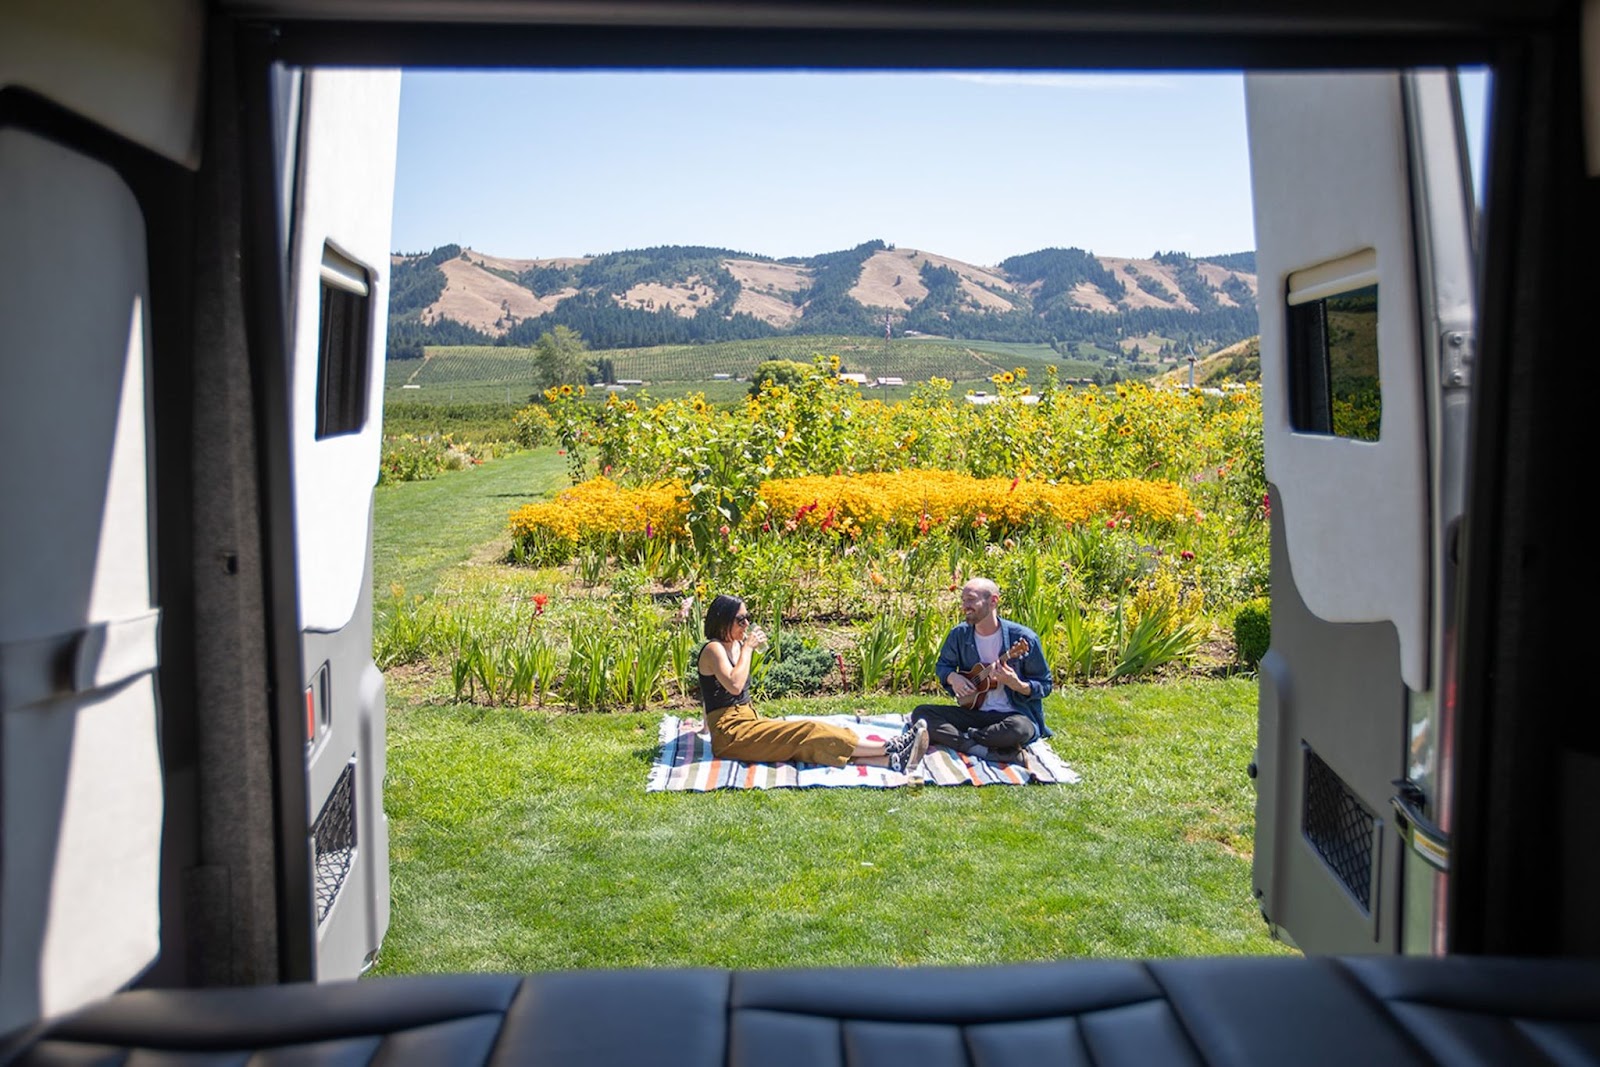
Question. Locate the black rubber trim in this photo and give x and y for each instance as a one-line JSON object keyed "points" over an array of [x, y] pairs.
{"points": [[266, 331], [629, 47]]}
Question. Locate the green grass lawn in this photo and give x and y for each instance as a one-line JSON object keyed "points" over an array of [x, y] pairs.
{"points": [[523, 839], [420, 529]]}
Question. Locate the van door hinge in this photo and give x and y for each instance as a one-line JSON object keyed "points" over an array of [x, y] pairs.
{"points": [[1421, 834], [1459, 351]]}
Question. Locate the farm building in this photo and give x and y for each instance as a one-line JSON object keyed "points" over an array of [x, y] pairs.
{"points": [[985, 398]]}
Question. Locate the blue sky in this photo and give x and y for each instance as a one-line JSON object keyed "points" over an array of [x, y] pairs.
{"points": [[976, 166]]}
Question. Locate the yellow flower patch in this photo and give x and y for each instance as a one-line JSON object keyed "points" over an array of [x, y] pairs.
{"points": [[601, 506], [900, 500]]}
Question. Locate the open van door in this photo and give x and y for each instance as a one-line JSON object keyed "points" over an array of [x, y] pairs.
{"points": [[1363, 217], [337, 178]]}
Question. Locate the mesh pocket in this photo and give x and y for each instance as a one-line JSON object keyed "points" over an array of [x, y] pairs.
{"points": [[335, 835], [1339, 827]]}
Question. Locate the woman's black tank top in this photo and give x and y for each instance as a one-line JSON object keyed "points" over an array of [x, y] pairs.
{"points": [[714, 696]]}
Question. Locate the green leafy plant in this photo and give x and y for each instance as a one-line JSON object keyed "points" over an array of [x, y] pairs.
{"points": [[1252, 631], [1153, 641], [795, 669], [878, 651], [1073, 644]]}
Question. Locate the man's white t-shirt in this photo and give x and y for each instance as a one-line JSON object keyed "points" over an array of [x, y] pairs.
{"points": [[989, 648]]}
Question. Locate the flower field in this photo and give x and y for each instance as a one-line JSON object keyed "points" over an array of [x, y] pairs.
{"points": [[1125, 525]]}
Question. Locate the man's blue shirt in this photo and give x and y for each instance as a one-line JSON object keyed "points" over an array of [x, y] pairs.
{"points": [[960, 652]]}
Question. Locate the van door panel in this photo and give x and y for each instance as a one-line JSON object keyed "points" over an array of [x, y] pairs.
{"points": [[82, 791], [1363, 254], [345, 142]]}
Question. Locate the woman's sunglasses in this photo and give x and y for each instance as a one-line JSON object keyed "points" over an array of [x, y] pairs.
{"points": [[743, 620]]}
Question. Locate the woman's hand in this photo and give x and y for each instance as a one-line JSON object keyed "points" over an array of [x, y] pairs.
{"points": [[755, 637]]}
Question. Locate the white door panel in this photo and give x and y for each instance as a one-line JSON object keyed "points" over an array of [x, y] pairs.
{"points": [[82, 795], [346, 187], [1357, 540], [1364, 255]]}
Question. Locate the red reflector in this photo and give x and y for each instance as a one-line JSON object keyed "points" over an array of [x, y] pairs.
{"points": [[311, 713]]}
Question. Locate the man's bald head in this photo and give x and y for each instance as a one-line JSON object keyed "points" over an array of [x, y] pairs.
{"points": [[983, 587]]}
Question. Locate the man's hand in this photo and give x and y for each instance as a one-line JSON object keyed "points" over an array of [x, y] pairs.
{"points": [[1009, 678], [961, 684]]}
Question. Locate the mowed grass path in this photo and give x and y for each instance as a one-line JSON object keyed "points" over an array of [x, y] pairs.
{"points": [[421, 529], [523, 839]]}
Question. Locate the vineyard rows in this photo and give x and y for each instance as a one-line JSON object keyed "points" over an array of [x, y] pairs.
{"points": [[510, 375]]}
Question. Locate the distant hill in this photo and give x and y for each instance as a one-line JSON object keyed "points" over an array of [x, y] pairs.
{"points": [[694, 295], [1240, 362]]}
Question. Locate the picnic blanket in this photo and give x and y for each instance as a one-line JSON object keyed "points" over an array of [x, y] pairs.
{"points": [[685, 762]]}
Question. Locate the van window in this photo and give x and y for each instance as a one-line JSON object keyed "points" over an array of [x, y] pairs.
{"points": [[1334, 386], [342, 361]]}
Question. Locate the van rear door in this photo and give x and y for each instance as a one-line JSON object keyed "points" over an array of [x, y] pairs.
{"points": [[1364, 257], [339, 172]]}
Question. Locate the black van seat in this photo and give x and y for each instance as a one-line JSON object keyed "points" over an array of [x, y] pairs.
{"points": [[1374, 1010]]}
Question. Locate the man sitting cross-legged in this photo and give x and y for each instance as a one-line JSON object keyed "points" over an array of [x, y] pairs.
{"points": [[999, 709]]}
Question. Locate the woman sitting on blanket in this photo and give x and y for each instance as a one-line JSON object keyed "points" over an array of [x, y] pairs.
{"points": [[738, 733]]}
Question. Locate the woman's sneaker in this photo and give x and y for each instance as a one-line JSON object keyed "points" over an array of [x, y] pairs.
{"points": [[906, 749]]}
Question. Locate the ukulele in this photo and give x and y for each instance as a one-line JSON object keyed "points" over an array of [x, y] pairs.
{"points": [[982, 675]]}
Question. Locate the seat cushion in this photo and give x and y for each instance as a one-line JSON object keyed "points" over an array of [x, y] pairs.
{"points": [[1389, 1010]]}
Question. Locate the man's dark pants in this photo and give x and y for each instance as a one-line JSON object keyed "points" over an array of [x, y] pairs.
{"points": [[948, 725]]}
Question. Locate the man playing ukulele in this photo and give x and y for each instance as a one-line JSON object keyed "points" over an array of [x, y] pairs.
{"points": [[998, 674]]}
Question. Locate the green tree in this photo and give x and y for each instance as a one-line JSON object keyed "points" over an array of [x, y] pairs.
{"points": [[779, 372], [560, 354]]}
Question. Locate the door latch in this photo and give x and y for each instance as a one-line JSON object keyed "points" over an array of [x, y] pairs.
{"points": [[1420, 833]]}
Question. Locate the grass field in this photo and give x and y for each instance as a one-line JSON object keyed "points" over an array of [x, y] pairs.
{"points": [[508, 375], [421, 529], [522, 839]]}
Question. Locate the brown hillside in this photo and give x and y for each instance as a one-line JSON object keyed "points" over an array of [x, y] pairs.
{"points": [[682, 300], [485, 301], [764, 289], [1215, 276], [893, 279], [1137, 297], [515, 266], [1210, 367], [890, 279]]}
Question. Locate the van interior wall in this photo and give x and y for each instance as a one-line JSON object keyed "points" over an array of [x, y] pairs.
{"points": [[1527, 855], [220, 911]]}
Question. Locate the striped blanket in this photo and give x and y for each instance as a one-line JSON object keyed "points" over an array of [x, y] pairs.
{"points": [[685, 763]]}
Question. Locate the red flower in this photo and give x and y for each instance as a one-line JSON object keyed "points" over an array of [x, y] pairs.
{"points": [[766, 527], [723, 529], [1111, 524], [1186, 555], [539, 601], [1014, 482], [649, 529]]}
